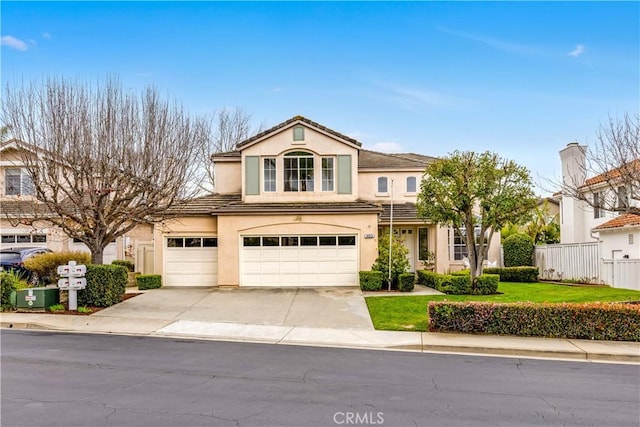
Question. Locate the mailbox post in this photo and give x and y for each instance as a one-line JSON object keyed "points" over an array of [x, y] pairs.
{"points": [[72, 279]]}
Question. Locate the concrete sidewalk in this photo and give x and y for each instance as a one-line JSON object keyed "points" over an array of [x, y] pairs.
{"points": [[330, 317]]}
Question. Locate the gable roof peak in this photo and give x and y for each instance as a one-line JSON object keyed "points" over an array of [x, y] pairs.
{"points": [[289, 123]]}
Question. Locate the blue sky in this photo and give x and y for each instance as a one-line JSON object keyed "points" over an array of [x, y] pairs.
{"points": [[519, 78]]}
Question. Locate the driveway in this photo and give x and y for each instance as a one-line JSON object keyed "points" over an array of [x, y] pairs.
{"points": [[336, 308]]}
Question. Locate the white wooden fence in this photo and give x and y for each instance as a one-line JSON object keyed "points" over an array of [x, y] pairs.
{"points": [[621, 273], [582, 261]]}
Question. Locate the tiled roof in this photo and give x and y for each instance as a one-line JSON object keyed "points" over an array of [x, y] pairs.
{"points": [[227, 155], [374, 160], [204, 205], [624, 220], [24, 208], [295, 208], [294, 120], [630, 168], [402, 212]]}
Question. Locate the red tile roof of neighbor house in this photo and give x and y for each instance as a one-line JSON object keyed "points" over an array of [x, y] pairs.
{"points": [[624, 220], [629, 168]]}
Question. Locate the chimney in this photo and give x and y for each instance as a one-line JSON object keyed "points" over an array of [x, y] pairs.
{"points": [[573, 164]]}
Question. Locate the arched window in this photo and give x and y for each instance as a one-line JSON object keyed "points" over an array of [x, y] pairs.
{"points": [[298, 171]]}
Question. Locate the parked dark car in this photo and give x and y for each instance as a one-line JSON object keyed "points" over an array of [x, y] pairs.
{"points": [[12, 259]]}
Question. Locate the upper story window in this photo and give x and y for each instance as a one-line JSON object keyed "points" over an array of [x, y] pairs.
{"points": [[269, 167], [17, 182], [298, 171], [298, 133], [598, 200], [411, 184], [383, 184], [327, 174]]}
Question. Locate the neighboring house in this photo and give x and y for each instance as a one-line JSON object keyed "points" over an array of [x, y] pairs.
{"points": [[578, 219], [17, 202], [300, 205], [620, 237]]}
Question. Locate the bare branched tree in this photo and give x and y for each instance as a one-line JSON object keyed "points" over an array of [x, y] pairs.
{"points": [[611, 168], [229, 127], [102, 160]]}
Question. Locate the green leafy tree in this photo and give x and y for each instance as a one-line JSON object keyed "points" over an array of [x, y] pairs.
{"points": [[399, 260], [467, 190], [542, 227]]}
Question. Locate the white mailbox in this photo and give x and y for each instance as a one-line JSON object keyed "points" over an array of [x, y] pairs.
{"points": [[72, 279]]}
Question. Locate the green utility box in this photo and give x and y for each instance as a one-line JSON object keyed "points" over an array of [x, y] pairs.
{"points": [[37, 298]]}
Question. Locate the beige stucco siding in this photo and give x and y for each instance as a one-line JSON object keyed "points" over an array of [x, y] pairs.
{"points": [[228, 177], [368, 185], [231, 228]]}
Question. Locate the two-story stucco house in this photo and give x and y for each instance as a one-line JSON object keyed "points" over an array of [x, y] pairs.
{"points": [[17, 203], [618, 233], [300, 205]]}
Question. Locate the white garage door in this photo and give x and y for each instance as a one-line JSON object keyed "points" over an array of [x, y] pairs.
{"points": [[190, 261], [299, 260]]}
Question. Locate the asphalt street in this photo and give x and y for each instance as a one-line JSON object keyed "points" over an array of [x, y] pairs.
{"points": [[61, 379]]}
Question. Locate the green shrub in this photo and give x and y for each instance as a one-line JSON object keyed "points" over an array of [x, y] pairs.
{"points": [[399, 260], [597, 321], [406, 282], [9, 282], [149, 281], [85, 310], [454, 285], [518, 250], [56, 307], [45, 266], [487, 284], [428, 278], [125, 263], [515, 274], [465, 272], [106, 285], [370, 280]]}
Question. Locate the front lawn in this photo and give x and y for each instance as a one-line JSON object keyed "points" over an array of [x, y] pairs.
{"points": [[409, 313]]}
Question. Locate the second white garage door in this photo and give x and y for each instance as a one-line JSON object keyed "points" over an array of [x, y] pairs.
{"points": [[190, 261], [327, 260]]}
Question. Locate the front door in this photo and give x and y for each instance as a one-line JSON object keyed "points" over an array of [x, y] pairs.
{"points": [[408, 237]]}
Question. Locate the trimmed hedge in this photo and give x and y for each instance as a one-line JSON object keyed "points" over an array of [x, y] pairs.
{"points": [[428, 278], [487, 284], [125, 263], [518, 250], [45, 266], [515, 274], [149, 281], [406, 282], [460, 283], [454, 285], [370, 280], [596, 321], [106, 285]]}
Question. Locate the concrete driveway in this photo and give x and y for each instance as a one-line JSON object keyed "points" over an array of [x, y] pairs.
{"points": [[337, 308]]}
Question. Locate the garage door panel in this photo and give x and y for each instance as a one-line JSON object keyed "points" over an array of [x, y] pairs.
{"points": [[190, 266], [321, 265]]}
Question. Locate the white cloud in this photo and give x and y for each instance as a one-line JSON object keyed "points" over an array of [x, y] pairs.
{"points": [[494, 42], [579, 50], [387, 147], [46, 35], [13, 42]]}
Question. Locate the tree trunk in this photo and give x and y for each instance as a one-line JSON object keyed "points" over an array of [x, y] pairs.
{"points": [[97, 254]]}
